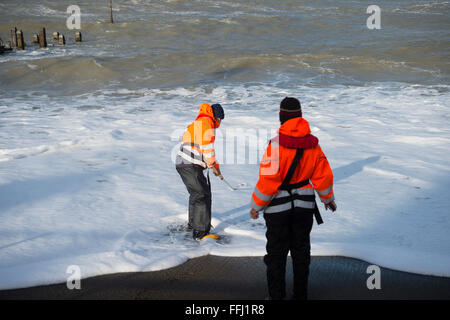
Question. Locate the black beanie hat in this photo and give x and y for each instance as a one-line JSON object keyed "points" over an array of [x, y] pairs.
{"points": [[218, 111], [290, 108]]}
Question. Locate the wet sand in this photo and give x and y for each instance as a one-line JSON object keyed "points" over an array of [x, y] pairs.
{"points": [[243, 278]]}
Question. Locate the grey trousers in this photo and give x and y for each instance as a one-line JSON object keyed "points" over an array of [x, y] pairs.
{"points": [[199, 190]]}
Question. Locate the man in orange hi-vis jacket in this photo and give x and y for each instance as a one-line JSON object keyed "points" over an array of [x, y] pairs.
{"points": [[292, 167], [196, 154]]}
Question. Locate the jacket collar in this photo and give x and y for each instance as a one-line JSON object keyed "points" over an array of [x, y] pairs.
{"points": [[295, 133]]}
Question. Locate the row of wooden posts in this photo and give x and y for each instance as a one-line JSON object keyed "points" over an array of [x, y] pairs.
{"points": [[41, 38]]}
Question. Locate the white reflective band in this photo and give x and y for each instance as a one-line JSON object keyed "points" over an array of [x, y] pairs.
{"points": [[287, 206], [261, 195], [209, 155], [304, 204], [299, 191], [255, 206], [274, 144], [190, 159], [304, 191], [207, 146], [325, 192], [327, 200], [282, 193], [190, 149]]}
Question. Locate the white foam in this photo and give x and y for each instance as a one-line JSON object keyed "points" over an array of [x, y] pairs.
{"points": [[99, 190]]}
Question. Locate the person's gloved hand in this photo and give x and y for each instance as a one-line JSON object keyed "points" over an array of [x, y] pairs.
{"points": [[217, 173], [254, 214], [332, 205]]}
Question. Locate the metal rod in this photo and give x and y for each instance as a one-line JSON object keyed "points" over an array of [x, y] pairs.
{"points": [[229, 185]]}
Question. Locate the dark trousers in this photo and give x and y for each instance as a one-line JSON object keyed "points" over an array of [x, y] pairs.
{"points": [[199, 197], [288, 232]]}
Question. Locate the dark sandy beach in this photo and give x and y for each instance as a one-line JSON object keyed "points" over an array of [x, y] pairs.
{"points": [[243, 278], [89, 132]]}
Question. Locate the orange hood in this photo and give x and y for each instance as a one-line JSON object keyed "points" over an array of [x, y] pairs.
{"points": [[296, 127], [207, 112], [295, 133]]}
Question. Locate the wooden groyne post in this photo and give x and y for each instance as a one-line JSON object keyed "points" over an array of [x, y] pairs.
{"points": [[17, 39], [20, 42], [42, 38], [110, 9], [14, 37], [62, 40], [78, 36]]}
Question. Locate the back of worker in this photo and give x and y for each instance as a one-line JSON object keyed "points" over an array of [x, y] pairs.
{"points": [[289, 211]]}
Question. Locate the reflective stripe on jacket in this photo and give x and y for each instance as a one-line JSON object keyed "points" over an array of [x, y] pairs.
{"points": [[313, 167], [197, 146]]}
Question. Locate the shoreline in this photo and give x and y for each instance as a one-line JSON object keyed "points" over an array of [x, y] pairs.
{"points": [[243, 278]]}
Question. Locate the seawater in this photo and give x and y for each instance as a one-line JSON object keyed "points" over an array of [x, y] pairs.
{"points": [[87, 130], [171, 56], [167, 44]]}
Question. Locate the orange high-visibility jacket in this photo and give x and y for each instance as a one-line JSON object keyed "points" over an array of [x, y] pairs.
{"points": [[294, 133], [197, 147]]}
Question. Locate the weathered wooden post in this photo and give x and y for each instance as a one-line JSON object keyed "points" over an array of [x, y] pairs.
{"points": [[42, 38], [62, 40], [110, 9], [14, 37], [20, 42], [78, 36], [56, 35], [35, 38]]}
